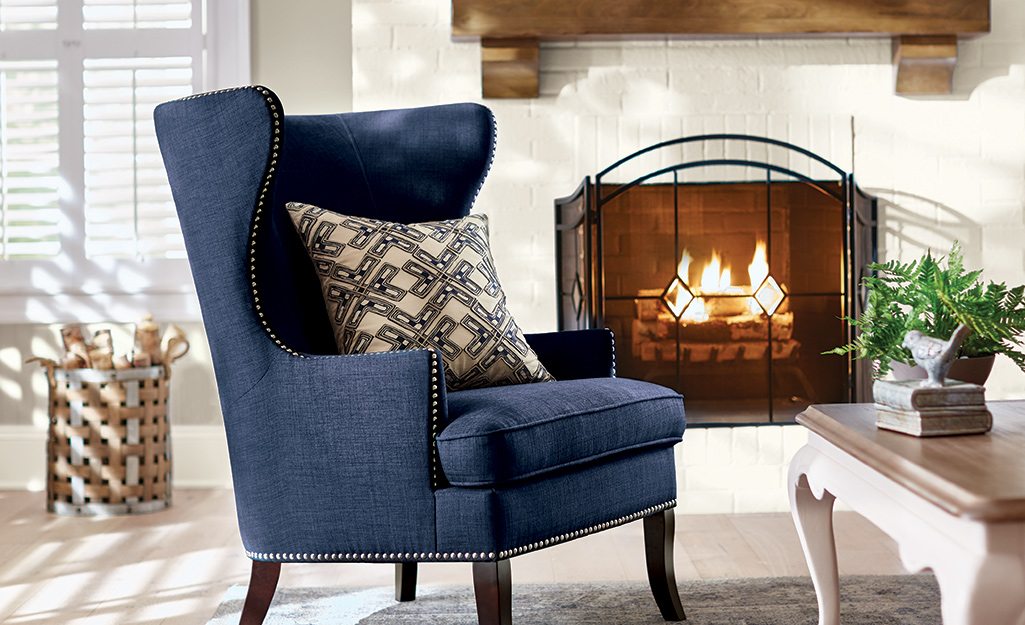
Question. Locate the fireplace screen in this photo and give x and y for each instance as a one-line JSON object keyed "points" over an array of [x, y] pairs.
{"points": [[724, 278]]}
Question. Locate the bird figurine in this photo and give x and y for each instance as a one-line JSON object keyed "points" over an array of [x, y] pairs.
{"points": [[935, 355]]}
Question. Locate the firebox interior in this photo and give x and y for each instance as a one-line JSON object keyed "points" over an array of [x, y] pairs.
{"points": [[728, 292]]}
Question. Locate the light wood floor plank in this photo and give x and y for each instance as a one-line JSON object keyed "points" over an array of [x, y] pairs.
{"points": [[716, 548], [773, 538], [173, 567]]}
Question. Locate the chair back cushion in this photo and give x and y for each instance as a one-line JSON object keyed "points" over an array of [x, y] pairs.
{"points": [[408, 165]]}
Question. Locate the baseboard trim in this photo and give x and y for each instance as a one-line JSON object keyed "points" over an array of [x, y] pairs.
{"points": [[199, 457], [719, 471]]}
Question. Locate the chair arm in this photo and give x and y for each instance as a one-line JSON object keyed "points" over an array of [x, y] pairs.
{"points": [[334, 454], [576, 354]]}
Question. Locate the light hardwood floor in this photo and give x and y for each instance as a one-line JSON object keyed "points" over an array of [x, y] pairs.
{"points": [[173, 566]]}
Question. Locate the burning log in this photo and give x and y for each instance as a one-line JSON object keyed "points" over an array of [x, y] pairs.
{"points": [[654, 323], [716, 321], [667, 351]]}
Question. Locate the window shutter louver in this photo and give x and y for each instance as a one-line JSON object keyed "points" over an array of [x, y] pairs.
{"points": [[128, 207], [28, 15], [137, 14], [29, 161]]}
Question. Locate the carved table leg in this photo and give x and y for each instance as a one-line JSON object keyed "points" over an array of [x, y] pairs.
{"points": [[659, 535], [262, 582], [813, 516], [492, 586]]}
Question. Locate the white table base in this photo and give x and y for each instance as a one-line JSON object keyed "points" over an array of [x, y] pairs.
{"points": [[980, 567]]}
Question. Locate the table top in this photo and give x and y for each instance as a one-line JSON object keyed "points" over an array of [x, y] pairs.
{"points": [[977, 476]]}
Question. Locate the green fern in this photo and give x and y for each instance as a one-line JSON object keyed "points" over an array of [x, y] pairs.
{"points": [[923, 295]]}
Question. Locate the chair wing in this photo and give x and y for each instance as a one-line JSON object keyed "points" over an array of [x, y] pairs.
{"points": [[216, 150]]}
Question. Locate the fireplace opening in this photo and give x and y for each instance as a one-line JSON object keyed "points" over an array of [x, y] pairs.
{"points": [[724, 278]]}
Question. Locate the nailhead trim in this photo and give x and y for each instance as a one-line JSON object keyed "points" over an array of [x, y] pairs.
{"points": [[375, 557], [613, 335], [273, 107], [434, 460], [491, 161], [584, 532], [459, 556]]}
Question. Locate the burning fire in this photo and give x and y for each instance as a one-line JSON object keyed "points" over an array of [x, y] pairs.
{"points": [[758, 270], [762, 291]]}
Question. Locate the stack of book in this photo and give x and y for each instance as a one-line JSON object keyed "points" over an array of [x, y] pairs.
{"points": [[954, 408]]}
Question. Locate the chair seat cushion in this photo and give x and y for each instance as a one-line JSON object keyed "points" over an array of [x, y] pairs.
{"points": [[507, 433]]}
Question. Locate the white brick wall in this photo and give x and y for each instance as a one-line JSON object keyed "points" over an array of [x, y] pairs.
{"points": [[946, 167], [740, 469]]}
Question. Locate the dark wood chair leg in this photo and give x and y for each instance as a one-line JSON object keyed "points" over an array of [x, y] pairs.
{"points": [[405, 581], [492, 585], [262, 582], [658, 550]]}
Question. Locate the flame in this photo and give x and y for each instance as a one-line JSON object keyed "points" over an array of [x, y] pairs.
{"points": [[711, 278], [696, 311], [683, 269], [715, 279], [758, 270]]}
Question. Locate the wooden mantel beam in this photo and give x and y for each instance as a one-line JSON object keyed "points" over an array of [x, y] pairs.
{"points": [[923, 32]]}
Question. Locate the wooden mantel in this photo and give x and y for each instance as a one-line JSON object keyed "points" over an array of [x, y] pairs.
{"points": [[924, 32]]}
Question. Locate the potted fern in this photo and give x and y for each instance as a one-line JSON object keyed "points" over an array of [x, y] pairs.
{"points": [[933, 297]]}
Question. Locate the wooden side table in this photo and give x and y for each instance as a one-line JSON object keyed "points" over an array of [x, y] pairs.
{"points": [[955, 505]]}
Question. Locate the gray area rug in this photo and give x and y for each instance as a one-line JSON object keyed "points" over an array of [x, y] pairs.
{"points": [[865, 600]]}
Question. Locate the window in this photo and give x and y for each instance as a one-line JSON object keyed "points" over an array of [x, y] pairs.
{"points": [[128, 207], [87, 225], [29, 159]]}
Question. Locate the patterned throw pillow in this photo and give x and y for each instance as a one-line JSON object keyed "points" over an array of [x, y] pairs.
{"points": [[391, 286]]}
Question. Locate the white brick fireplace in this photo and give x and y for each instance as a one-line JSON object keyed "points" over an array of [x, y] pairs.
{"points": [[945, 168]]}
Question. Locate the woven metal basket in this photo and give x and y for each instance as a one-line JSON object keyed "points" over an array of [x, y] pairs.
{"points": [[109, 447]]}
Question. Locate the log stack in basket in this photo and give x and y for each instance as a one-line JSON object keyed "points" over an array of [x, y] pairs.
{"points": [[109, 445]]}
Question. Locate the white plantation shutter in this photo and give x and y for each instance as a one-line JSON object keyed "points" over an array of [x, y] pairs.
{"points": [[29, 212], [28, 15], [128, 207], [112, 165], [29, 158], [85, 208], [137, 14]]}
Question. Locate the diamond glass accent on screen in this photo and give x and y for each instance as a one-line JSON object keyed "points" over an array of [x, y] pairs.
{"points": [[29, 160], [128, 206]]}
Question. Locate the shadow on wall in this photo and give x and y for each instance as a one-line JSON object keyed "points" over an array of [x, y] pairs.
{"points": [[910, 225], [989, 56], [970, 76], [967, 79]]}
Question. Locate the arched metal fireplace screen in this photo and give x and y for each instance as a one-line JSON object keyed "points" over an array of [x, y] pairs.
{"points": [[725, 266]]}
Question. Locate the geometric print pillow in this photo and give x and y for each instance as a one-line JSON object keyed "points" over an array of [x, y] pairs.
{"points": [[391, 286]]}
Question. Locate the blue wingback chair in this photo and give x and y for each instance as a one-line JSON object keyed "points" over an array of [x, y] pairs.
{"points": [[366, 458]]}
